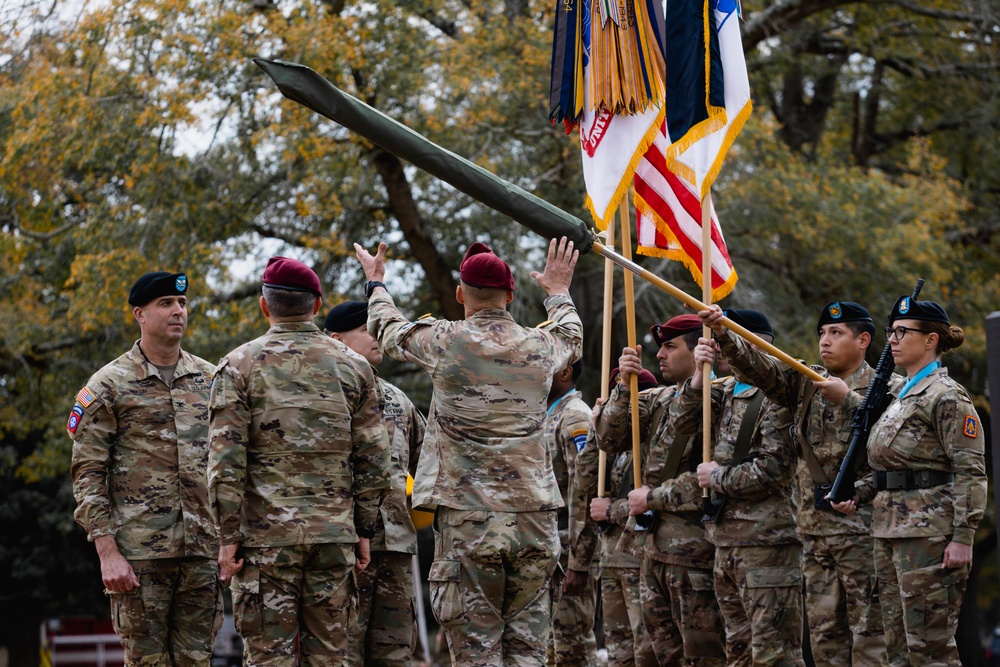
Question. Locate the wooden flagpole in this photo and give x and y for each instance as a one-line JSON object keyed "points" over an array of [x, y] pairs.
{"points": [[609, 283], [626, 233], [631, 267], [706, 332]]}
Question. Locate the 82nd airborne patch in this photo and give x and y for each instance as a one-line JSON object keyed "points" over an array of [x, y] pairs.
{"points": [[74, 418], [971, 428]]}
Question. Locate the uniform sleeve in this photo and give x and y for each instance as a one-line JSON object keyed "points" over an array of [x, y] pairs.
{"points": [[401, 339], [566, 330], [773, 465], [613, 421], [960, 432], [618, 512], [93, 437], [370, 454], [582, 528], [778, 382], [229, 427], [685, 410], [680, 494], [571, 436]]}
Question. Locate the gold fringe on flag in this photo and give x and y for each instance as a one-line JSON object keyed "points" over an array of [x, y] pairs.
{"points": [[627, 69]]}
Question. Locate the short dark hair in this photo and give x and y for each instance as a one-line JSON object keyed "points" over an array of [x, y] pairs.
{"points": [[288, 303], [691, 339], [859, 327]]}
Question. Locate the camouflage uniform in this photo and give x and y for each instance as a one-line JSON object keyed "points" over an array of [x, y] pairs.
{"points": [[934, 427], [572, 641], [758, 554], [297, 469], [625, 635], [679, 608], [138, 467], [386, 628], [484, 467], [843, 611]]}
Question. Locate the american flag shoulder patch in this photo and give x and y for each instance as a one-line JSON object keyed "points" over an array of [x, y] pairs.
{"points": [[971, 427], [85, 397]]}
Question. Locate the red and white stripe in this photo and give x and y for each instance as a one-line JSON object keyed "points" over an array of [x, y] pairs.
{"points": [[668, 219]]}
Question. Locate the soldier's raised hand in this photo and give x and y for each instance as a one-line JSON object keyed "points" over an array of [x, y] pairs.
{"points": [[372, 265], [559, 265]]}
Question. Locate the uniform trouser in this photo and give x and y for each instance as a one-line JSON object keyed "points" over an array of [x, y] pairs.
{"points": [[302, 594], [572, 642], [386, 629], [842, 603], [681, 614], [920, 600], [760, 596], [174, 615], [489, 584], [625, 635]]}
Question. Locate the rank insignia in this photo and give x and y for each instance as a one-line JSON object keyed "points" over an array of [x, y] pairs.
{"points": [[835, 310], [904, 305], [971, 428], [85, 397], [74, 418]]}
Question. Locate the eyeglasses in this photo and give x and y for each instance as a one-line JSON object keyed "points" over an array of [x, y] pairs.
{"points": [[901, 331]]}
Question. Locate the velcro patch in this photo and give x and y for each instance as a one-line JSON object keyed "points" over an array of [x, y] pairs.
{"points": [[971, 428], [74, 418], [580, 439], [85, 397]]}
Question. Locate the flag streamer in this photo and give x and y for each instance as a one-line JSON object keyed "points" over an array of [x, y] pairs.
{"points": [[627, 69]]}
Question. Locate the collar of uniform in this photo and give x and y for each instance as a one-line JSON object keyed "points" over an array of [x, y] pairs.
{"points": [[144, 368], [921, 385], [859, 378], [493, 313], [559, 400], [284, 327]]}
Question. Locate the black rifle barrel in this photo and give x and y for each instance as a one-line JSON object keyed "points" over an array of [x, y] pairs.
{"points": [[305, 86], [877, 399]]}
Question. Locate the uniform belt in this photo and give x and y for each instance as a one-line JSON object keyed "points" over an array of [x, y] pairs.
{"points": [[895, 480]]}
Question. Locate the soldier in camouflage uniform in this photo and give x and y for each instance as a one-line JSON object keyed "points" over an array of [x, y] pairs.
{"points": [[385, 633], [608, 523], [679, 608], [484, 465], [574, 592], [842, 605], [929, 487], [140, 442], [297, 468], [758, 554]]}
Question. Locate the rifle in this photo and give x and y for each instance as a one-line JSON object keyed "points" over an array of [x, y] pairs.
{"points": [[877, 399]]}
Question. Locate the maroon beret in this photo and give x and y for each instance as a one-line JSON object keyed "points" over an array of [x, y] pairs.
{"points": [[674, 327], [291, 274], [646, 379], [482, 268]]}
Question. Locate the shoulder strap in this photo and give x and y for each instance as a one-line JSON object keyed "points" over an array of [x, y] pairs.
{"points": [[816, 471], [747, 427]]}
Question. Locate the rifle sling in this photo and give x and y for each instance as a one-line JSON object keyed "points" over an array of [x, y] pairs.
{"points": [[747, 427], [816, 471]]}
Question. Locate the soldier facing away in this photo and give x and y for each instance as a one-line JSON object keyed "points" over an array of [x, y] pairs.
{"points": [[842, 604], [484, 465], [298, 465], [385, 634], [140, 444]]}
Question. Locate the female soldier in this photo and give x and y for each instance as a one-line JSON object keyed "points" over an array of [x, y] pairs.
{"points": [[929, 481]]}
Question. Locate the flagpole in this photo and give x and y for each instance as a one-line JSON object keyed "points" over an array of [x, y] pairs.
{"points": [[631, 267], [609, 284], [706, 332], [630, 323]]}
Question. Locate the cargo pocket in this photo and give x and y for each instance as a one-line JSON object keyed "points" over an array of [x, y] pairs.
{"points": [[447, 596], [128, 616], [931, 596], [701, 581], [778, 591], [247, 601]]}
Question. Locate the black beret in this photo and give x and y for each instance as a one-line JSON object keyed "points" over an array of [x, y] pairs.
{"points": [[153, 285], [843, 311], [752, 320], [347, 316], [906, 308]]}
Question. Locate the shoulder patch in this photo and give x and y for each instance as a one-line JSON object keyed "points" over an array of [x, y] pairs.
{"points": [[580, 439], [74, 418], [85, 397], [971, 427]]}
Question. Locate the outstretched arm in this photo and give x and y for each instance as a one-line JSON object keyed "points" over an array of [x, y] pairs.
{"points": [[559, 265]]}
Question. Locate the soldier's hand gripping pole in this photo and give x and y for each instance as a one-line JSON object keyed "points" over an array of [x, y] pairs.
{"points": [[694, 303], [877, 399]]}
